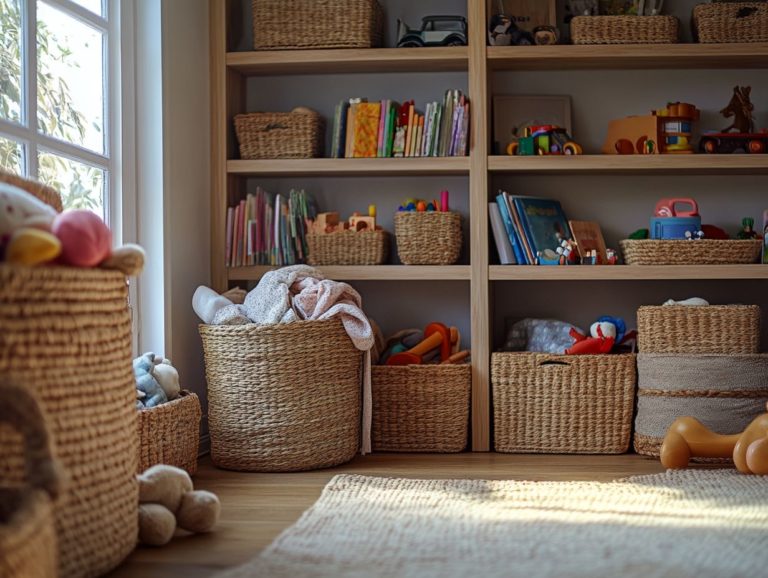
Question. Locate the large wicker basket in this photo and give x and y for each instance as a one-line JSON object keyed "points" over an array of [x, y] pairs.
{"points": [[702, 252], [731, 22], [348, 248], [282, 397], [561, 403], [432, 238], [301, 24], [170, 433], [624, 30], [280, 135], [421, 408]]}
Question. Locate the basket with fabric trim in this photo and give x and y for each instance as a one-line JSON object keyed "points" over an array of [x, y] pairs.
{"points": [[624, 30], [428, 238], [682, 252], [280, 135], [731, 22], [348, 248]]}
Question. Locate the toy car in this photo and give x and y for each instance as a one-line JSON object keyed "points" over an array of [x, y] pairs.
{"points": [[729, 142], [435, 31], [544, 140]]}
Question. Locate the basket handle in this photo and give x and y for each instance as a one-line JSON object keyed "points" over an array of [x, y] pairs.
{"points": [[545, 360]]}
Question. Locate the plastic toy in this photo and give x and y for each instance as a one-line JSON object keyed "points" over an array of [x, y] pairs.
{"points": [[502, 31], [604, 335], [664, 131], [435, 31], [421, 205], [437, 342], [747, 229], [565, 254], [745, 139], [669, 222], [545, 139]]}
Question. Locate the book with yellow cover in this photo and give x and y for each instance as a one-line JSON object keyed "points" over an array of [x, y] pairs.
{"points": [[366, 129]]}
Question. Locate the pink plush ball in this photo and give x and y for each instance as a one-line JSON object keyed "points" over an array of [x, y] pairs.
{"points": [[85, 240]]}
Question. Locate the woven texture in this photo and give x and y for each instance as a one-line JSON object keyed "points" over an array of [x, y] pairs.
{"points": [[66, 334], [736, 22], [280, 135], [282, 397], [432, 238], [703, 252], [707, 524], [46, 194], [724, 392], [170, 434], [562, 403], [348, 248], [421, 408], [624, 30], [710, 329], [301, 24]]}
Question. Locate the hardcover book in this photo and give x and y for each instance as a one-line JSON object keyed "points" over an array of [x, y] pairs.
{"points": [[543, 222]]}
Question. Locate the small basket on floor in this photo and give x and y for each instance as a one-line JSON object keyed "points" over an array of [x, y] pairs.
{"points": [[731, 22], [428, 238], [348, 248], [624, 30], [681, 252], [280, 135]]}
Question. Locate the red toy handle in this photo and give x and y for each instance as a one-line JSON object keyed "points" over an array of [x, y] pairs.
{"points": [[668, 208]]}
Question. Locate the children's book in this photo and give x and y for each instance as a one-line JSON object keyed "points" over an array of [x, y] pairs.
{"points": [[765, 237], [409, 130], [366, 129], [502, 202], [341, 140], [230, 224], [382, 123], [589, 237], [391, 129], [543, 222], [503, 246]]}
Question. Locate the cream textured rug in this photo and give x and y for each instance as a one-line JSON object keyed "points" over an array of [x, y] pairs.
{"points": [[692, 523]]}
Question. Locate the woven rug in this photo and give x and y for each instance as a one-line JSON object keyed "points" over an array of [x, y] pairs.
{"points": [[691, 523]]}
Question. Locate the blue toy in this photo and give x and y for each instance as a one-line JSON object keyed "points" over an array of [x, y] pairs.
{"points": [[670, 223], [146, 383]]}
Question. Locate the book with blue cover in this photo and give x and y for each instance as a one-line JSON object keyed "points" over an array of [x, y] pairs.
{"points": [[509, 225], [543, 222]]}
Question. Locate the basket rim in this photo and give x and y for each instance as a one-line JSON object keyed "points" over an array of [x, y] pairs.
{"points": [[184, 395], [254, 327]]}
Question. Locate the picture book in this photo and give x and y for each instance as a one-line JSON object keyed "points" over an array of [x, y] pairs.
{"points": [[543, 222], [502, 203], [366, 129], [503, 246], [589, 237]]}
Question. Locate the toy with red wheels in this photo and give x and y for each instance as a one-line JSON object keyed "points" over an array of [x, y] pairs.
{"points": [[724, 143]]}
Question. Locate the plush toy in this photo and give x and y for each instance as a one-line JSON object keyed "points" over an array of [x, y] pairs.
{"points": [[604, 334], [167, 500], [692, 302], [156, 379], [25, 222], [85, 240]]}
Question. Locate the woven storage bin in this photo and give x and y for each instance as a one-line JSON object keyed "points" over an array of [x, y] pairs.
{"points": [[280, 135], [703, 252], [432, 238], [724, 392], [725, 329], [348, 248], [421, 408], [39, 190], [624, 30], [731, 22], [301, 24], [282, 397], [569, 404], [170, 433]]}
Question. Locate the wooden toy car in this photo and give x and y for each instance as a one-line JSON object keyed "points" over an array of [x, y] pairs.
{"points": [[544, 140], [729, 142], [435, 31], [664, 131]]}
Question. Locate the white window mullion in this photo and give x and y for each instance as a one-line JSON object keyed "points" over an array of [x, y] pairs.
{"points": [[29, 60], [80, 13]]}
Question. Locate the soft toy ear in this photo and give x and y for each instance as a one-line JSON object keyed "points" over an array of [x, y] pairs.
{"points": [[199, 511], [168, 378], [128, 259], [163, 484], [157, 524]]}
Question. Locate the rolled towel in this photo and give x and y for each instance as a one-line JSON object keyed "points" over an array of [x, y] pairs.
{"points": [[206, 303]]}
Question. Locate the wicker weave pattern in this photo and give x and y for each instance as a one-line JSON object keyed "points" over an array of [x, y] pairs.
{"points": [[724, 329], [719, 23], [280, 135], [703, 252], [562, 404], [624, 30], [421, 408], [301, 24], [348, 248], [46, 194], [170, 434], [282, 397], [428, 238]]}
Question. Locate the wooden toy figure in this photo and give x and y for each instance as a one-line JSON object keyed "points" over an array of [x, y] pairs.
{"points": [[744, 138], [747, 229], [740, 109]]}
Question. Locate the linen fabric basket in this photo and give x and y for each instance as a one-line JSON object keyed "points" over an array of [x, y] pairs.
{"points": [[348, 248], [280, 135], [283, 397], [421, 408], [302, 24], [680, 252], [170, 433], [724, 392], [731, 22], [624, 30], [428, 238], [574, 404]]}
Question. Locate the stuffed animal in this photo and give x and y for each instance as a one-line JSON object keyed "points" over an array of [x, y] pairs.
{"points": [[167, 500], [156, 379]]}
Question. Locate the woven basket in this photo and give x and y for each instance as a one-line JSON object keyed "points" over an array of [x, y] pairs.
{"points": [[731, 22], [624, 30], [724, 392], [561, 403], [301, 24], [348, 248], [280, 135], [39, 190], [724, 329], [170, 434], [702, 252], [421, 408], [282, 397], [432, 238]]}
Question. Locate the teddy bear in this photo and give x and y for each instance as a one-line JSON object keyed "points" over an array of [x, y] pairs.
{"points": [[157, 381], [167, 500]]}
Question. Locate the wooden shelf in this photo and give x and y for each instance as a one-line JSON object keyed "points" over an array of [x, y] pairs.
{"points": [[345, 61], [623, 57], [369, 273], [626, 272], [351, 167]]}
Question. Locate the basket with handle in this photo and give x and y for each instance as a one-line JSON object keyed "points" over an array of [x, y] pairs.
{"points": [[624, 29], [348, 248], [280, 135], [724, 22], [428, 238]]}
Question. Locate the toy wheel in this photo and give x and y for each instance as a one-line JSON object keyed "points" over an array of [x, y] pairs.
{"points": [[756, 147], [710, 146], [410, 44], [571, 148], [512, 149], [454, 41]]}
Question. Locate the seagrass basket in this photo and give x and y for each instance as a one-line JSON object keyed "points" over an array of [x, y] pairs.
{"points": [[682, 252], [571, 404], [280, 135], [724, 329], [624, 30], [428, 238], [731, 22], [170, 433], [348, 248], [302, 24], [420, 408], [283, 397]]}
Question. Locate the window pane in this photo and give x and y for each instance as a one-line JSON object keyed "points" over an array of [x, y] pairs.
{"points": [[70, 94], [11, 155], [92, 5], [81, 186], [10, 60]]}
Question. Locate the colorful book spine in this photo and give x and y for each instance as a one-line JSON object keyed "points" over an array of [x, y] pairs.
{"points": [[366, 129], [506, 219]]}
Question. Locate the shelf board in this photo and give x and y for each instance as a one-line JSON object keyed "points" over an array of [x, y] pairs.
{"points": [[369, 273], [626, 272], [336, 61], [628, 56], [351, 167]]}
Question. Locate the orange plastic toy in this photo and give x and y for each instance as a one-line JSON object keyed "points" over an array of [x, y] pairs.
{"points": [[435, 335]]}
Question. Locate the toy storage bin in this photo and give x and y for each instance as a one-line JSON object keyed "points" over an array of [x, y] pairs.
{"points": [[428, 238], [724, 392], [573, 404], [170, 433], [348, 248], [731, 22], [421, 408], [624, 30], [280, 135], [701, 252], [725, 329], [301, 24], [282, 397]]}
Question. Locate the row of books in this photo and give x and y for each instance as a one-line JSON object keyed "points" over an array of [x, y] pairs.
{"points": [[265, 229], [363, 129]]}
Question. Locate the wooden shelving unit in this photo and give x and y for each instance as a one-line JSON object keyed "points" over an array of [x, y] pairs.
{"points": [[350, 167], [369, 273], [627, 273]]}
